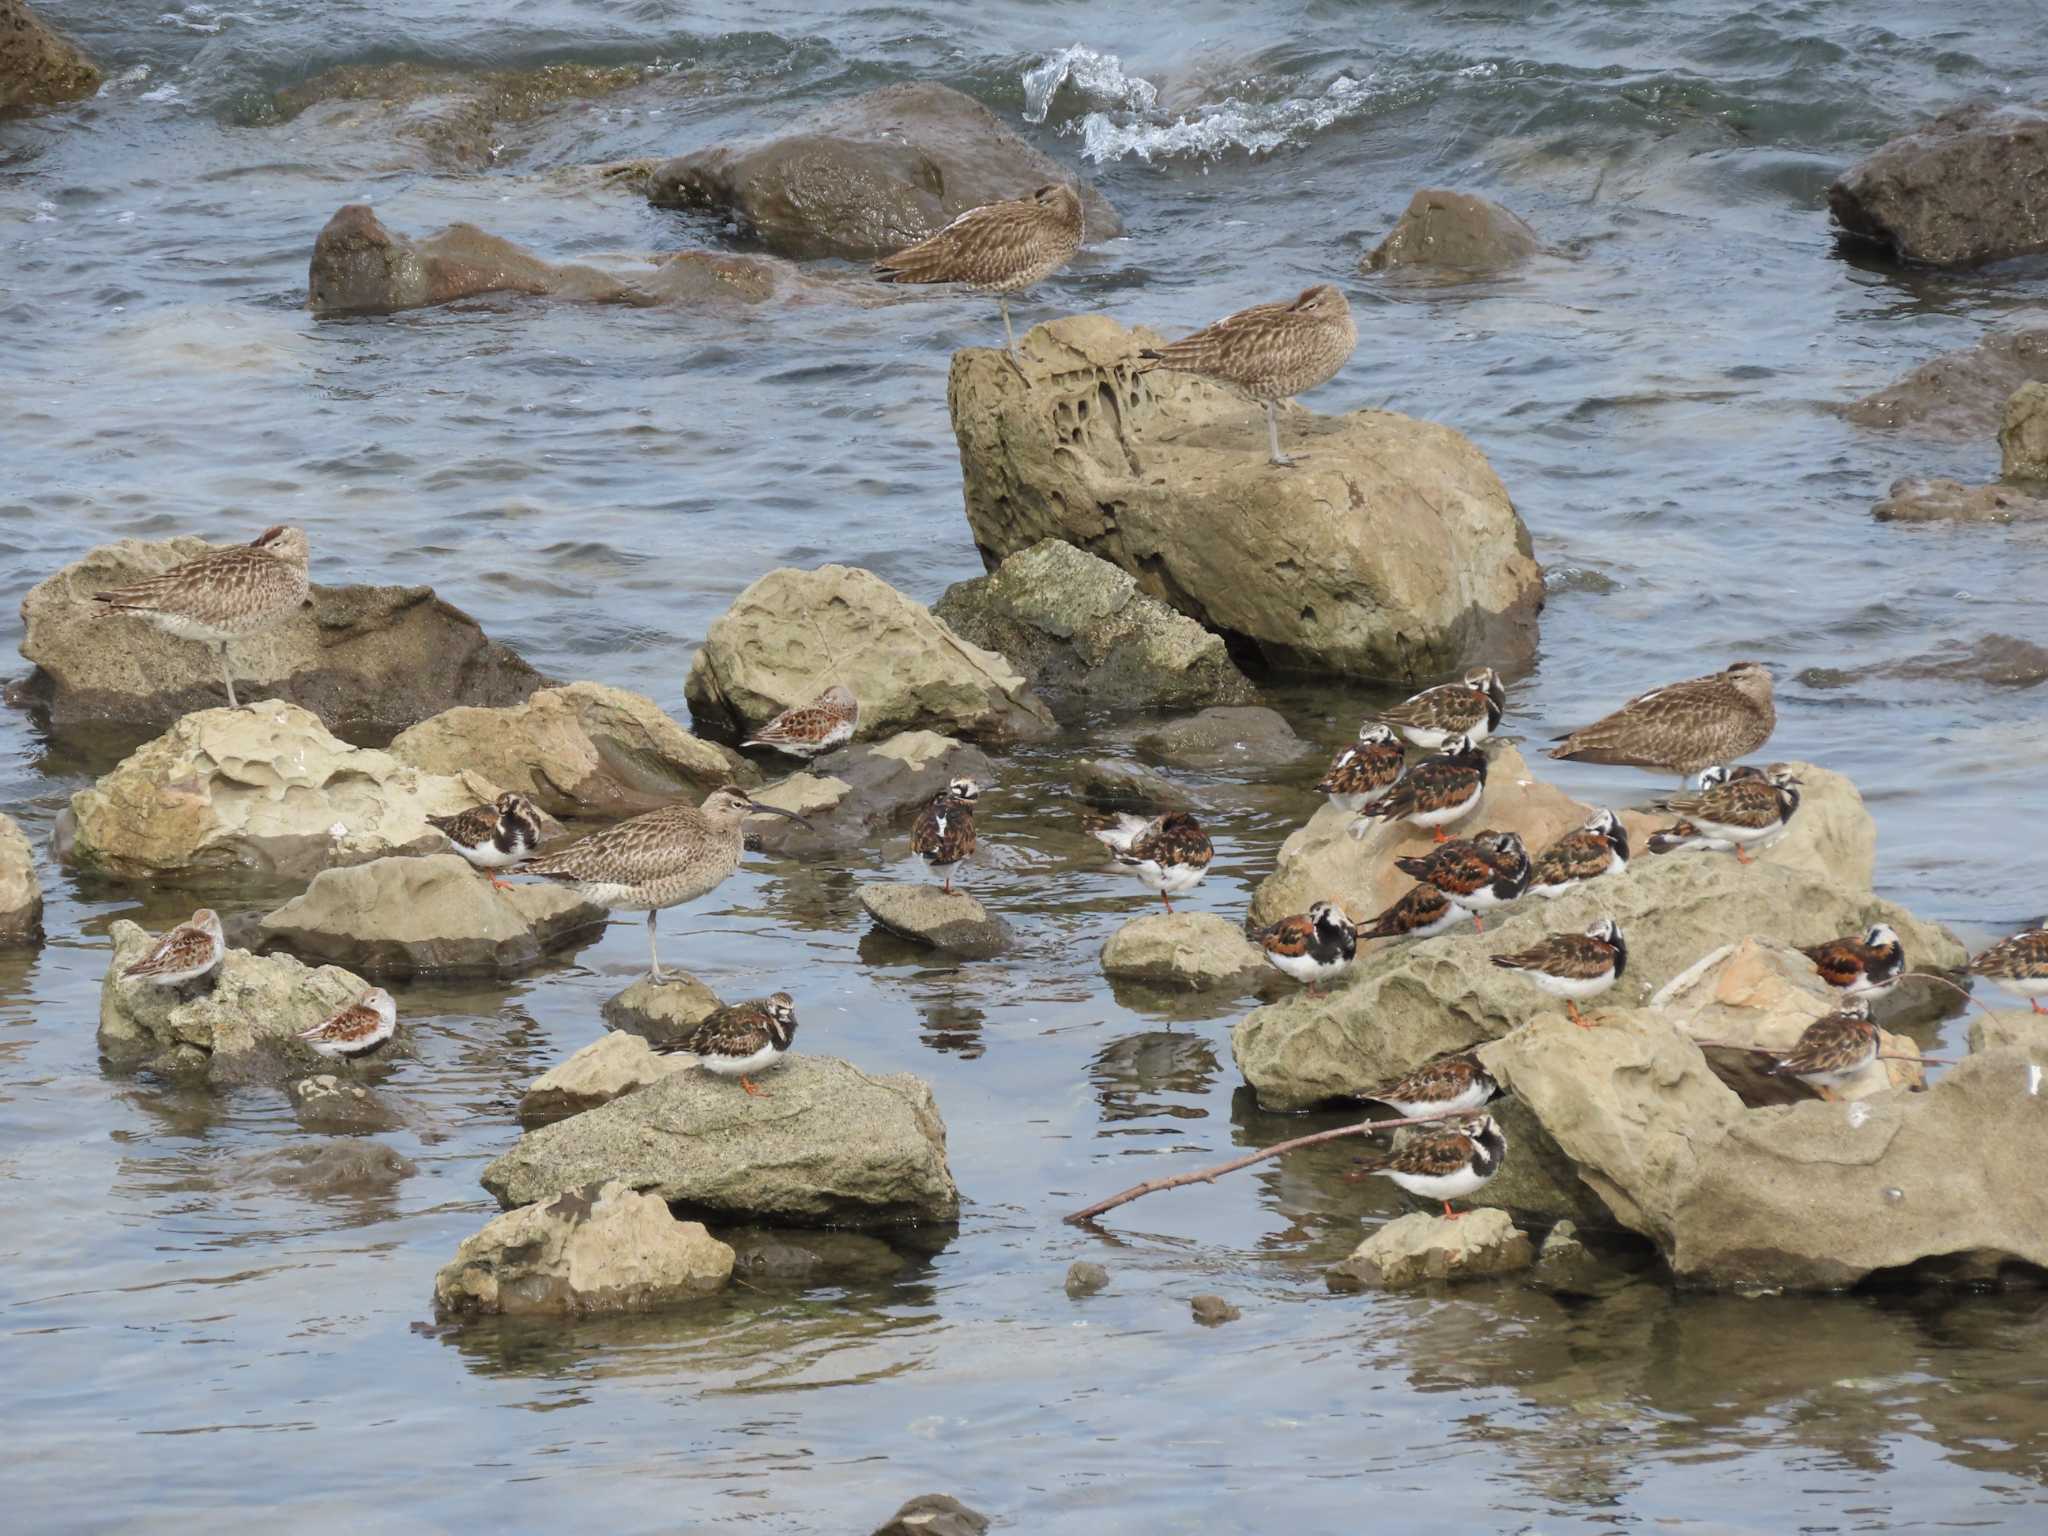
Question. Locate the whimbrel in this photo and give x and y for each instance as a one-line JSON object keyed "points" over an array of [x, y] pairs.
{"points": [[1685, 726], [1000, 248]]}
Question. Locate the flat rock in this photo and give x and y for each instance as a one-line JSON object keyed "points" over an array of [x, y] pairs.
{"points": [[1226, 737], [39, 66], [21, 893], [1420, 562], [934, 1514], [1937, 499], [611, 1066], [1195, 951], [953, 921], [1418, 1248], [826, 1145], [661, 1011], [2023, 435], [1959, 396], [1449, 234], [2019, 1029], [602, 1248], [1964, 190], [851, 794]]}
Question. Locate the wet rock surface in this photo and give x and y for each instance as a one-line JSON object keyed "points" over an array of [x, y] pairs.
{"points": [[1419, 1248], [1243, 737], [1448, 235], [1192, 951], [1085, 1278], [796, 1257], [2023, 435], [1565, 1266], [1115, 786], [851, 795], [331, 1103], [611, 1066], [925, 914], [21, 893], [2003, 661], [661, 1011], [1959, 395], [1213, 1311], [934, 1514], [333, 1168], [38, 65], [1964, 190], [1940, 500]]}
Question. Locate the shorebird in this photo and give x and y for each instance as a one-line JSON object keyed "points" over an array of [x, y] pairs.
{"points": [[813, 729], [1479, 873], [1832, 1050], [1443, 1164], [224, 594], [1311, 946], [1446, 1085], [999, 248], [360, 1029], [1169, 854], [1734, 813], [1434, 793], [187, 952], [1272, 352], [943, 834], [1364, 769], [495, 836], [1683, 727], [1598, 848], [739, 1040], [1574, 966], [1471, 709], [661, 859], [1423, 913], [1871, 966], [2019, 964]]}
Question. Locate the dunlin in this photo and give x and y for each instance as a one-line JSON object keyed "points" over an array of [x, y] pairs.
{"points": [[495, 836], [740, 1040], [1444, 1164], [360, 1029], [189, 951], [1000, 248], [813, 729], [1683, 727]]}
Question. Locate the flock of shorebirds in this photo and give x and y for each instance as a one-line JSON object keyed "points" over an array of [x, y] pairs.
{"points": [[1270, 352]]}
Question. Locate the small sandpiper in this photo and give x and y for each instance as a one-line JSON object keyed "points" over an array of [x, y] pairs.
{"points": [[1598, 848], [1313, 946], [1446, 1085], [661, 859], [1738, 813], [1169, 854], [813, 729], [1272, 352], [192, 950], [493, 837], [739, 1040], [1685, 726], [943, 834], [1363, 769], [358, 1030], [1434, 793], [1422, 913], [1486, 870], [1871, 966], [223, 595], [1574, 966], [1471, 709], [1832, 1050], [2019, 964], [1443, 1164], [999, 248]]}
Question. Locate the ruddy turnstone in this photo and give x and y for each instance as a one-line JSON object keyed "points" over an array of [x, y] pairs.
{"points": [[1434, 793], [1169, 854], [999, 248], [1365, 768], [1446, 1085], [2019, 964], [1311, 946], [943, 834], [1737, 813], [495, 836], [1470, 709], [1832, 1050], [813, 729], [1422, 913], [1271, 351], [360, 1029], [187, 952], [1598, 848], [1445, 1164], [1867, 967], [661, 859], [1574, 966], [1683, 727], [1479, 873], [1725, 773], [224, 594], [739, 1040]]}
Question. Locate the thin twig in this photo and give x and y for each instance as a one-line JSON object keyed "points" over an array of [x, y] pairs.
{"points": [[1964, 992], [1765, 1050]]}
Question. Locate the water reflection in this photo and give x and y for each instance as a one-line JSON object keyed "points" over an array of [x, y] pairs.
{"points": [[1135, 1075]]}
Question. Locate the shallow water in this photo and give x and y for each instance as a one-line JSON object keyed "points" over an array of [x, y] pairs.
{"points": [[194, 1338]]}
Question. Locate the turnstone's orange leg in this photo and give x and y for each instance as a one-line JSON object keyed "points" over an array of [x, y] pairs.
{"points": [[1169, 902], [1436, 834], [1478, 923], [1742, 855], [2037, 1005], [748, 1084], [1572, 1010], [1451, 1215], [502, 885], [1824, 1091]]}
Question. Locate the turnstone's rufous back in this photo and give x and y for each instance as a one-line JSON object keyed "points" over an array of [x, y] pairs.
{"points": [[739, 1040], [1867, 967], [1434, 793], [495, 836], [1365, 768], [1598, 848], [1574, 966], [1169, 854], [1445, 1164], [1312, 946], [1486, 870]]}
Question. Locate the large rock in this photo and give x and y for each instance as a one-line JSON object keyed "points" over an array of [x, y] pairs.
{"points": [[586, 749], [1194, 951], [431, 916], [850, 795], [1937, 499], [1958, 395], [1420, 562], [261, 791], [826, 1145], [358, 657], [2023, 434], [865, 176], [1970, 187], [928, 914], [610, 1067], [794, 632], [1229, 738], [1452, 235], [660, 1011], [1088, 638], [1419, 1248], [602, 1248], [38, 66], [21, 893]]}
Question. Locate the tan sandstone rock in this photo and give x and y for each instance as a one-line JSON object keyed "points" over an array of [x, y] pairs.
{"points": [[660, 1011], [38, 67], [1419, 1248], [926, 914], [1196, 951], [611, 1066], [2023, 434], [1452, 235], [21, 893]]}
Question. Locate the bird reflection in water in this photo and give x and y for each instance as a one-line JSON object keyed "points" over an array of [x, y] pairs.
{"points": [[1132, 1074]]}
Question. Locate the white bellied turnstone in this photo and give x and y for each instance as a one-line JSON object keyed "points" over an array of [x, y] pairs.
{"points": [[1271, 351], [495, 836], [360, 1029], [1738, 813], [661, 859], [739, 1040], [1470, 709], [1311, 946], [187, 952], [1423, 912], [1169, 854], [1574, 966], [1365, 768], [1445, 1164], [1685, 726], [1480, 872], [1832, 1050], [1000, 248], [1434, 793], [813, 729], [943, 834], [2019, 964], [1867, 967], [1598, 848], [223, 595], [1446, 1085]]}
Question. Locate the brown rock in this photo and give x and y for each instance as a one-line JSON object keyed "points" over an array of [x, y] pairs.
{"points": [[1940, 500], [1958, 396], [38, 67], [1453, 235], [926, 914], [1419, 1248], [1965, 189], [611, 1066], [2023, 434], [21, 893], [1213, 1311]]}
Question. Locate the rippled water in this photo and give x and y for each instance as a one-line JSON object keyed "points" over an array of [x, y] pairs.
{"points": [[198, 1337]]}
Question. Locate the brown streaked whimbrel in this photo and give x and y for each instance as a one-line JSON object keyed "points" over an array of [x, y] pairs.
{"points": [[813, 729], [661, 859], [1000, 248], [1272, 352], [495, 836], [1683, 727], [740, 1040], [359, 1029], [186, 953], [223, 595]]}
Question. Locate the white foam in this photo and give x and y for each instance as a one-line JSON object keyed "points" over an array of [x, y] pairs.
{"points": [[1231, 124], [1098, 76]]}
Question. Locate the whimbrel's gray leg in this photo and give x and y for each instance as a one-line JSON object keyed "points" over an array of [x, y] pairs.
{"points": [[1273, 433], [653, 955], [227, 676], [1010, 336]]}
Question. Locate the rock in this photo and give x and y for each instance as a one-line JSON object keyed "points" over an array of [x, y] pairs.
{"points": [[2019, 1029], [2023, 434], [865, 176], [1565, 1266], [325, 1102], [934, 1514], [428, 916], [601, 1248], [792, 632], [21, 893], [362, 658], [331, 1167], [1085, 1279], [581, 750], [1227, 737], [1420, 562], [1453, 234], [1084, 634], [767, 1257], [1213, 1311], [1961, 395], [853, 793], [1941, 500], [38, 67], [263, 791], [1419, 1248], [2002, 661], [1965, 189], [238, 1029], [609, 1067], [661, 1011], [1114, 786], [953, 921], [827, 1145], [1197, 951]]}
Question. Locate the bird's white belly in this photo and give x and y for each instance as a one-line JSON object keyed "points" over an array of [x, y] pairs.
{"points": [[1170, 879], [1445, 817], [1449, 1186], [1306, 967], [1575, 988], [1472, 1097], [740, 1066]]}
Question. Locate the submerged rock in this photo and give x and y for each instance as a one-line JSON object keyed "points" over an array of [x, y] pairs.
{"points": [[601, 1248], [1940, 500], [1197, 951], [2023, 434], [1958, 395], [934, 1514], [1085, 1279], [2003, 661], [1419, 563], [925, 914], [850, 795], [1453, 234], [1114, 786], [21, 893], [1213, 1311], [660, 1012], [1419, 1248], [335, 1167], [805, 1258], [38, 67], [611, 1066], [825, 1145], [1565, 1266], [1246, 736], [1963, 190], [325, 1102]]}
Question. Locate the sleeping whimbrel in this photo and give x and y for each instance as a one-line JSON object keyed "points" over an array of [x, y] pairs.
{"points": [[1683, 726], [999, 248]]}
